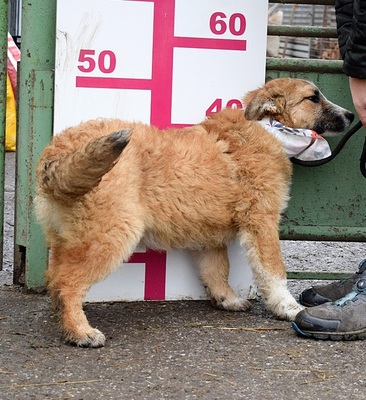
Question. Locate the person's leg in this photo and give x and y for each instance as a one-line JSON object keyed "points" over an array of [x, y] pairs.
{"points": [[321, 294]]}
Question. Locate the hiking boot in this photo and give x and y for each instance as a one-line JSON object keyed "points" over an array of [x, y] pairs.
{"points": [[321, 294], [344, 319]]}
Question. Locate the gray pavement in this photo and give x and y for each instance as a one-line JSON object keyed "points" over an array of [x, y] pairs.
{"points": [[175, 350]]}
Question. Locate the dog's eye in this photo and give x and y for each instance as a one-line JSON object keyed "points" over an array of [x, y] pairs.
{"points": [[314, 99]]}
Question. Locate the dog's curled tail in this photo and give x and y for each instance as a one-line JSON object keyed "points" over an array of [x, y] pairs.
{"points": [[80, 171]]}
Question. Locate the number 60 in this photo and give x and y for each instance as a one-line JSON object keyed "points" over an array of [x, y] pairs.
{"points": [[237, 23]]}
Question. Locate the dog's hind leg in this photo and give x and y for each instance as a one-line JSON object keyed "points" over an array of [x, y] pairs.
{"points": [[71, 272], [79, 172], [264, 253], [213, 267]]}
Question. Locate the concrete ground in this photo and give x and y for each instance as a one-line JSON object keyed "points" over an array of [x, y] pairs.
{"points": [[175, 350]]}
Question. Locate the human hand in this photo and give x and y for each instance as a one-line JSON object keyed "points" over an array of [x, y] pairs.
{"points": [[358, 91]]}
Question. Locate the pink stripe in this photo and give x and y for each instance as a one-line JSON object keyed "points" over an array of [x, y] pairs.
{"points": [[113, 83], [155, 273], [180, 126], [202, 43], [162, 63]]}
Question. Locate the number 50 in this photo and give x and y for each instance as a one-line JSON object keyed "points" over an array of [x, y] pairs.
{"points": [[91, 61]]}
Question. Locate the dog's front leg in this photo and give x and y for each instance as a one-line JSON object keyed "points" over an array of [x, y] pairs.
{"points": [[262, 243], [213, 266]]}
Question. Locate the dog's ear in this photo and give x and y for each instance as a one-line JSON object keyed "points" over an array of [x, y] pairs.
{"points": [[259, 104]]}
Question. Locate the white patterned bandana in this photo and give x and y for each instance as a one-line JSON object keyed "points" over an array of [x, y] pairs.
{"points": [[303, 144]]}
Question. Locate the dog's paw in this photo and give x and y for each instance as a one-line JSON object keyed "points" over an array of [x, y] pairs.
{"points": [[280, 301], [94, 338], [287, 310], [232, 303], [290, 311]]}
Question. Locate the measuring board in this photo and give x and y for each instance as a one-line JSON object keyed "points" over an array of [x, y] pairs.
{"points": [[165, 63]]}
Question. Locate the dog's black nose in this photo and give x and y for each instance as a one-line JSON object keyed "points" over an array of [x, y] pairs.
{"points": [[350, 116]]}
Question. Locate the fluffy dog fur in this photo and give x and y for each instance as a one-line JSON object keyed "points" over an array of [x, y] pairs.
{"points": [[106, 185]]}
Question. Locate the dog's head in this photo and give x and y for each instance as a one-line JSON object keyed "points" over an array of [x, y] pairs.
{"points": [[297, 103]]}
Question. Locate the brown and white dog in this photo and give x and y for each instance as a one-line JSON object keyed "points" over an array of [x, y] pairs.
{"points": [[106, 185]]}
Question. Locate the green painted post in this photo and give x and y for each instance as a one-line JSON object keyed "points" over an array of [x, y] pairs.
{"points": [[35, 126], [3, 74]]}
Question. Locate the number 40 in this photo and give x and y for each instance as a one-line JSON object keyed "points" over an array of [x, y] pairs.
{"points": [[216, 106]]}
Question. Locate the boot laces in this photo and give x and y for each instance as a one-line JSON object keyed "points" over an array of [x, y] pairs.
{"points": [[358, 289]]}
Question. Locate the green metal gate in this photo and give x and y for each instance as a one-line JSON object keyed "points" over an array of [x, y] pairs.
{"points": [[327, 202]]}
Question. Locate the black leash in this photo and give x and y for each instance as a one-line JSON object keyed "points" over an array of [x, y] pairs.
{"points": [[337, 150], [363, 160]]}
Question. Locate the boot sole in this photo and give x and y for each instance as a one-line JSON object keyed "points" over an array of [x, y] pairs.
{"points": [[335, 336]]}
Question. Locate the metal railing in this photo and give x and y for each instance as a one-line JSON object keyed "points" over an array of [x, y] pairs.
{"points": [[308, 66], [295, 64]]}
